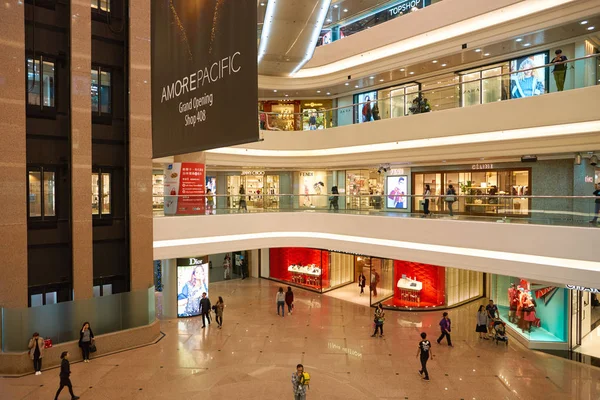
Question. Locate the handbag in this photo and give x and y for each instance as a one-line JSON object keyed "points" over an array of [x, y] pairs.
{"points": [[47, 343], [93, 348]]}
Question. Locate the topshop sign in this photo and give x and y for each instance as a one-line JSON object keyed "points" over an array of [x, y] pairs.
{"points": [[404, 7]]}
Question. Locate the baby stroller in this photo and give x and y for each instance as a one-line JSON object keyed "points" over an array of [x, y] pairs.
{"points": [[499, 328]]}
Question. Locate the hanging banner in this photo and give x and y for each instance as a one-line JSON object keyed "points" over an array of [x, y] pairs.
{"points": [[204, 75], [184, 186]]}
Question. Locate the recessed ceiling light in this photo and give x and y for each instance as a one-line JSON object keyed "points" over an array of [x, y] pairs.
{"points": [[262, 4], [412, 72], [335, 6], [286, 95], [434, 61], [345, 10], [371, 77], [519, 40], [591, 28], [346, 84], [443, 160], [527, 44], [443, 65], [318, 91], [275, 91], [328, 93], [401, 69], [356, 86], [477, 50], [486, 54], [329, 20], [583, 22], [381, 80]]}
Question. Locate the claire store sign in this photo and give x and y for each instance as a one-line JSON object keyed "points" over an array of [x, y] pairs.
{"points": [[583, 288]]}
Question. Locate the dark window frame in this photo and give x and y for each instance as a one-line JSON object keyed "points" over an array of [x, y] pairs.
{"points": [[41, 109], [98, 8], [43, 169], [99, 116]]}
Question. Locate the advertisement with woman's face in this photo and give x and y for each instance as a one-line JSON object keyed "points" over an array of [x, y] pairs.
{"points": [[531, 82], [397, 188], [192, 281]]}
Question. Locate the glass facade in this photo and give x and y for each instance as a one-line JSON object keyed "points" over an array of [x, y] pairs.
{"points": [[42, 193]]}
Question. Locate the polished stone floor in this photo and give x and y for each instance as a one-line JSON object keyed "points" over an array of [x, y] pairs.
{"points": [[254, 354]]}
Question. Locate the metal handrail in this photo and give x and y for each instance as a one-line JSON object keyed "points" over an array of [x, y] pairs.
{"points": [[499, 196], [439, 87]]}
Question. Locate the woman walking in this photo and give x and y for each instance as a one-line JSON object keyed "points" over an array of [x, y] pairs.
{"points": [[362, 282], [379, 320], [219, 311], [289, 300], [65, 373], [426, 196], [36, 352], [482, 322], [86, 338], [280, 298]]}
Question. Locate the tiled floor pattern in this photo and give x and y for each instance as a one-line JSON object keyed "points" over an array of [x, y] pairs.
{"points": [[254, 354]]}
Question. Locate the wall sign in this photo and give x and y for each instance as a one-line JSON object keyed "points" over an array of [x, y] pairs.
{"points": [[184, 187], [313, 104], [244, 173], [589, 179], [404, 7], [482, 166], [204, 75]]}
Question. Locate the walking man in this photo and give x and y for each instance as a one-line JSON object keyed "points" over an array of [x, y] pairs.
{"points": [[299, 383], [446, 327], [424, 351], [205, 309]]}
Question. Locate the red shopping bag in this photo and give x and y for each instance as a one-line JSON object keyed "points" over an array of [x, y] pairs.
{"points": [[47, 343]]}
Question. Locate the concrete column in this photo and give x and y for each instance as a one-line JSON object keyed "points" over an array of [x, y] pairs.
{"points": [[81, 150], [13, 174], [140, 146], [253, 263], [264, 263], [583, 185], [169, 293]]}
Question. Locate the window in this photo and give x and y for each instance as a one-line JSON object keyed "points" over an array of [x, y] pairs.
{"points": [[101, 199], [41, 193], [40, 82], [101, 96], [102, 5]]}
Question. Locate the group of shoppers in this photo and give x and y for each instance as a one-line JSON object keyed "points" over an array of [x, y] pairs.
{"points": [[449, 199], [284, 299]]}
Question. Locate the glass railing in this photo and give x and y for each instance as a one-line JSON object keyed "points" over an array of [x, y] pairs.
{"points": [[62, 322], [492, 85], [552, 210]]}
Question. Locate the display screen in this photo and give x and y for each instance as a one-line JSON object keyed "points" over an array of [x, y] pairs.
{"points": [[528, 83], [192, 281], [204, 75], [396, 191], [211, 183], [369, 111]]}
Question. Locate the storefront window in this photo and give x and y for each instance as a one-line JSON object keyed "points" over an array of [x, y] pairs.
{"points": [[42, 193], [260, 190], [312, 188], [537, 312], [484, 85], [367, 107], [40, 82], [364, 189], [483, 188]]}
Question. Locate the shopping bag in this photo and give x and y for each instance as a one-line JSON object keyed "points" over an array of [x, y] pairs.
{"points": [[47, 343]]}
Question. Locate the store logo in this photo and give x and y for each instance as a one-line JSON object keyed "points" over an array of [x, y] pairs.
{"points": [[253, 173], [402, 8], [313, 104], [195, 261], [589, 179], [482, 166], [307, 174], [583, 288]]}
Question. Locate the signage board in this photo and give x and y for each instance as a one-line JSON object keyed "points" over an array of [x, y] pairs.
{"points": [[204, 75], [184, 187]]}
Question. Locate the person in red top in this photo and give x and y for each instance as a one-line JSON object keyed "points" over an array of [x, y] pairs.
{"points": [[289, 300]]}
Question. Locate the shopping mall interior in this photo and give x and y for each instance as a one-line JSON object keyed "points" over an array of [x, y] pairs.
{"points": [[323, 180]]}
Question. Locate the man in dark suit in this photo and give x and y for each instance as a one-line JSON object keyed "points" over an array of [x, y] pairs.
{"points": [[205, 309]]}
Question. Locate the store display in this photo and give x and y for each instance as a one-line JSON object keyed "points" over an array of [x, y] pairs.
{"points": [[308, 274], [192, 281], [364, 189], [312, 187], [410, 290], [397, 188], [158, 200]]}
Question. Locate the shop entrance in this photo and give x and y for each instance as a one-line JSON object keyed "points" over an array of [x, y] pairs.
{"points": [[261, 191], [585, 322]]}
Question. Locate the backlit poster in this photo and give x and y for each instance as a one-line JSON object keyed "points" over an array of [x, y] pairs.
{"points": [[531, 82], [396, 191], [204, 75], [184, 189], [366, 107], [312, 187], [192, 281], [211, 183]]}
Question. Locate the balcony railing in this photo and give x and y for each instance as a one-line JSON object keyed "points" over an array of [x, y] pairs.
{"points": [[546, 210], [467, 90]]}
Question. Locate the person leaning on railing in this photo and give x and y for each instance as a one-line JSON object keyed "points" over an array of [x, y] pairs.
{"points": [[596, 204]]}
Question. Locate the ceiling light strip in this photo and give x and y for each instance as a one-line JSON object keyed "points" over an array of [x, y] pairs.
{"points": [[496, 136], [460, 251], [314, 36], [266, 31]]}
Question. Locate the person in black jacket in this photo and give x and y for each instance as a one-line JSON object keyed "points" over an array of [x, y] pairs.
{"points": [[205, 309], [65, 373], [86, 338]]}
